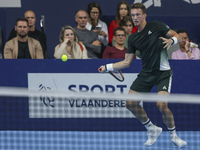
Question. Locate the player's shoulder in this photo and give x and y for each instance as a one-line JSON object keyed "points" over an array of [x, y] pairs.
{"points": [[156, 22]]}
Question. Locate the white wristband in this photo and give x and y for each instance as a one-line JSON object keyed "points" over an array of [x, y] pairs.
{"points": [[109, 67], [175, 40]]}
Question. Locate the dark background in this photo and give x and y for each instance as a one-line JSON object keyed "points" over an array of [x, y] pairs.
{"points": [[178, 14]]}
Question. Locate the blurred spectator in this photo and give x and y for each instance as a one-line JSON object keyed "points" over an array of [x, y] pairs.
{"points": [[127, 24], [88, 38], [69, 45], [123, 10], [23, 46], [118, 50], [95, 24], [33, 32], [188, 50]]}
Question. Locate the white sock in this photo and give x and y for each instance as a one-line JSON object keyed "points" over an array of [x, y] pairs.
{"points": [[148, 124], [172, 131]]}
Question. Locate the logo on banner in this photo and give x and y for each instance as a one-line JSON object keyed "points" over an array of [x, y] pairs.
{"points": [[71, 107]]}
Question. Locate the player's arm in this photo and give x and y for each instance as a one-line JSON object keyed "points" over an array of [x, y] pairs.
{"points": [[119, 65], [175, 38]]}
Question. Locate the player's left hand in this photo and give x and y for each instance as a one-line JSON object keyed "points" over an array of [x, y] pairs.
{"points": [[167, 42]]}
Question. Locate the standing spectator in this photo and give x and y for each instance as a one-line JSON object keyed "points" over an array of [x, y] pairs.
{"points": [[33, 32], [118, 50], [22, 46], [88, 38], [95, 24], [69, 45], [123, 10], [187, 49]]}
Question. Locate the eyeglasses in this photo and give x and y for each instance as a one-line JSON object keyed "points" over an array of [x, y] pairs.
{"points": [[95, 13], [138, 14], [122, 35]]}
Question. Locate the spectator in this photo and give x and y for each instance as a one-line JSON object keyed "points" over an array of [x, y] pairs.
{"points": [[118, 50], [95, 24], [22, 46], [128, 25], [187, 49], [88, 38], [33, 32], [69, 45], [123, 10]]}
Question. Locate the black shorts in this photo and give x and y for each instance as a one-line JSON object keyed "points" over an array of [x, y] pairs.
{"points": [[146, 80]]}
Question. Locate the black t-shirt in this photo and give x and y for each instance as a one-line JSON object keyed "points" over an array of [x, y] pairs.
{"points": [[154, 56], [23, 50]]}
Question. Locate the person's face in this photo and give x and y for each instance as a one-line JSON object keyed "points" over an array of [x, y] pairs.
{"points": [[30, 16], [120, 37], [123, 11], [94, 13], [128, 27], [137, 16], [185, 38], [22, 29], [69, 34], [81, 19]]}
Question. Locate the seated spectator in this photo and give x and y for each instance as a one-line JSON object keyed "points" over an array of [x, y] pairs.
{"points": [[95, 24], [187, 49], [123, 10], [118, 50], [69, 45], [88, 38], [33, 32], [23, 46], [128, 25]]}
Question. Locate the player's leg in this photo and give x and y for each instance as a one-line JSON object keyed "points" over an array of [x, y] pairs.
{"points": [[168, 119], [163, 88], [167, 115], [141, 84], [136, 109], [152, 131]]}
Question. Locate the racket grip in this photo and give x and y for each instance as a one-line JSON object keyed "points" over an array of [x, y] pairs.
{"points": [[100, 69]]}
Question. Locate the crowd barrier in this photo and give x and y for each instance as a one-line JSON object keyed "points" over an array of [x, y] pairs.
{"points": [[76, 75]]}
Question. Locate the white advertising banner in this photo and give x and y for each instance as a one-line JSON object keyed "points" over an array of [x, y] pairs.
{"points": [[10, 3], [51, 107]]}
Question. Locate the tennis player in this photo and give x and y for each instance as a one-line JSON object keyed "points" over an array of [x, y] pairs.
{"points": [[150, 40]]}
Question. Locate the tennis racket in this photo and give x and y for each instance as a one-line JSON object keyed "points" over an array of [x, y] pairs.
{"points": [[117, 74]]}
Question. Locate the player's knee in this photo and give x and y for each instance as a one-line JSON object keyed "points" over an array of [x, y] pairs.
{"points": [[162, 106], [131, 105]]}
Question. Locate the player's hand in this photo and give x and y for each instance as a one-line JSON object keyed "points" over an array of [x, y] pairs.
{"points": [[167, 42], [102, 69]]}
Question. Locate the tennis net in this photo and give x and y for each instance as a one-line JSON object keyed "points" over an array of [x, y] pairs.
{"points": [[58, 120]]}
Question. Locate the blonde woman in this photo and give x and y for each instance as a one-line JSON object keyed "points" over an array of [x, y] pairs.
{"points": [[69, 45]]}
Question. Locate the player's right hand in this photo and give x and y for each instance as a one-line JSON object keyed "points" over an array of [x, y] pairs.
{"points": [[102, 69]]}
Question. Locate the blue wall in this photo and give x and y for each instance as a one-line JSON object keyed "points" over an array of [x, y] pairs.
{"points": [[178, 14], [14, 112]]}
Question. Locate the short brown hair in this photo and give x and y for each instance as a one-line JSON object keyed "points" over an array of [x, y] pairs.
{"points": [[21, 19], [118, 29], [139, 6]]}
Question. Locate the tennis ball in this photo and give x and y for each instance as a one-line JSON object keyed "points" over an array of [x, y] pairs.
{"points": [[64, 58]]}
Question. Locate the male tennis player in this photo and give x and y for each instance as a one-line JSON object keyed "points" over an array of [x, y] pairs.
{"points": [[149, 40]]}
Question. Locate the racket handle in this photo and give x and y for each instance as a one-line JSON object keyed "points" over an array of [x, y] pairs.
{"points": [[100, 69]]}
